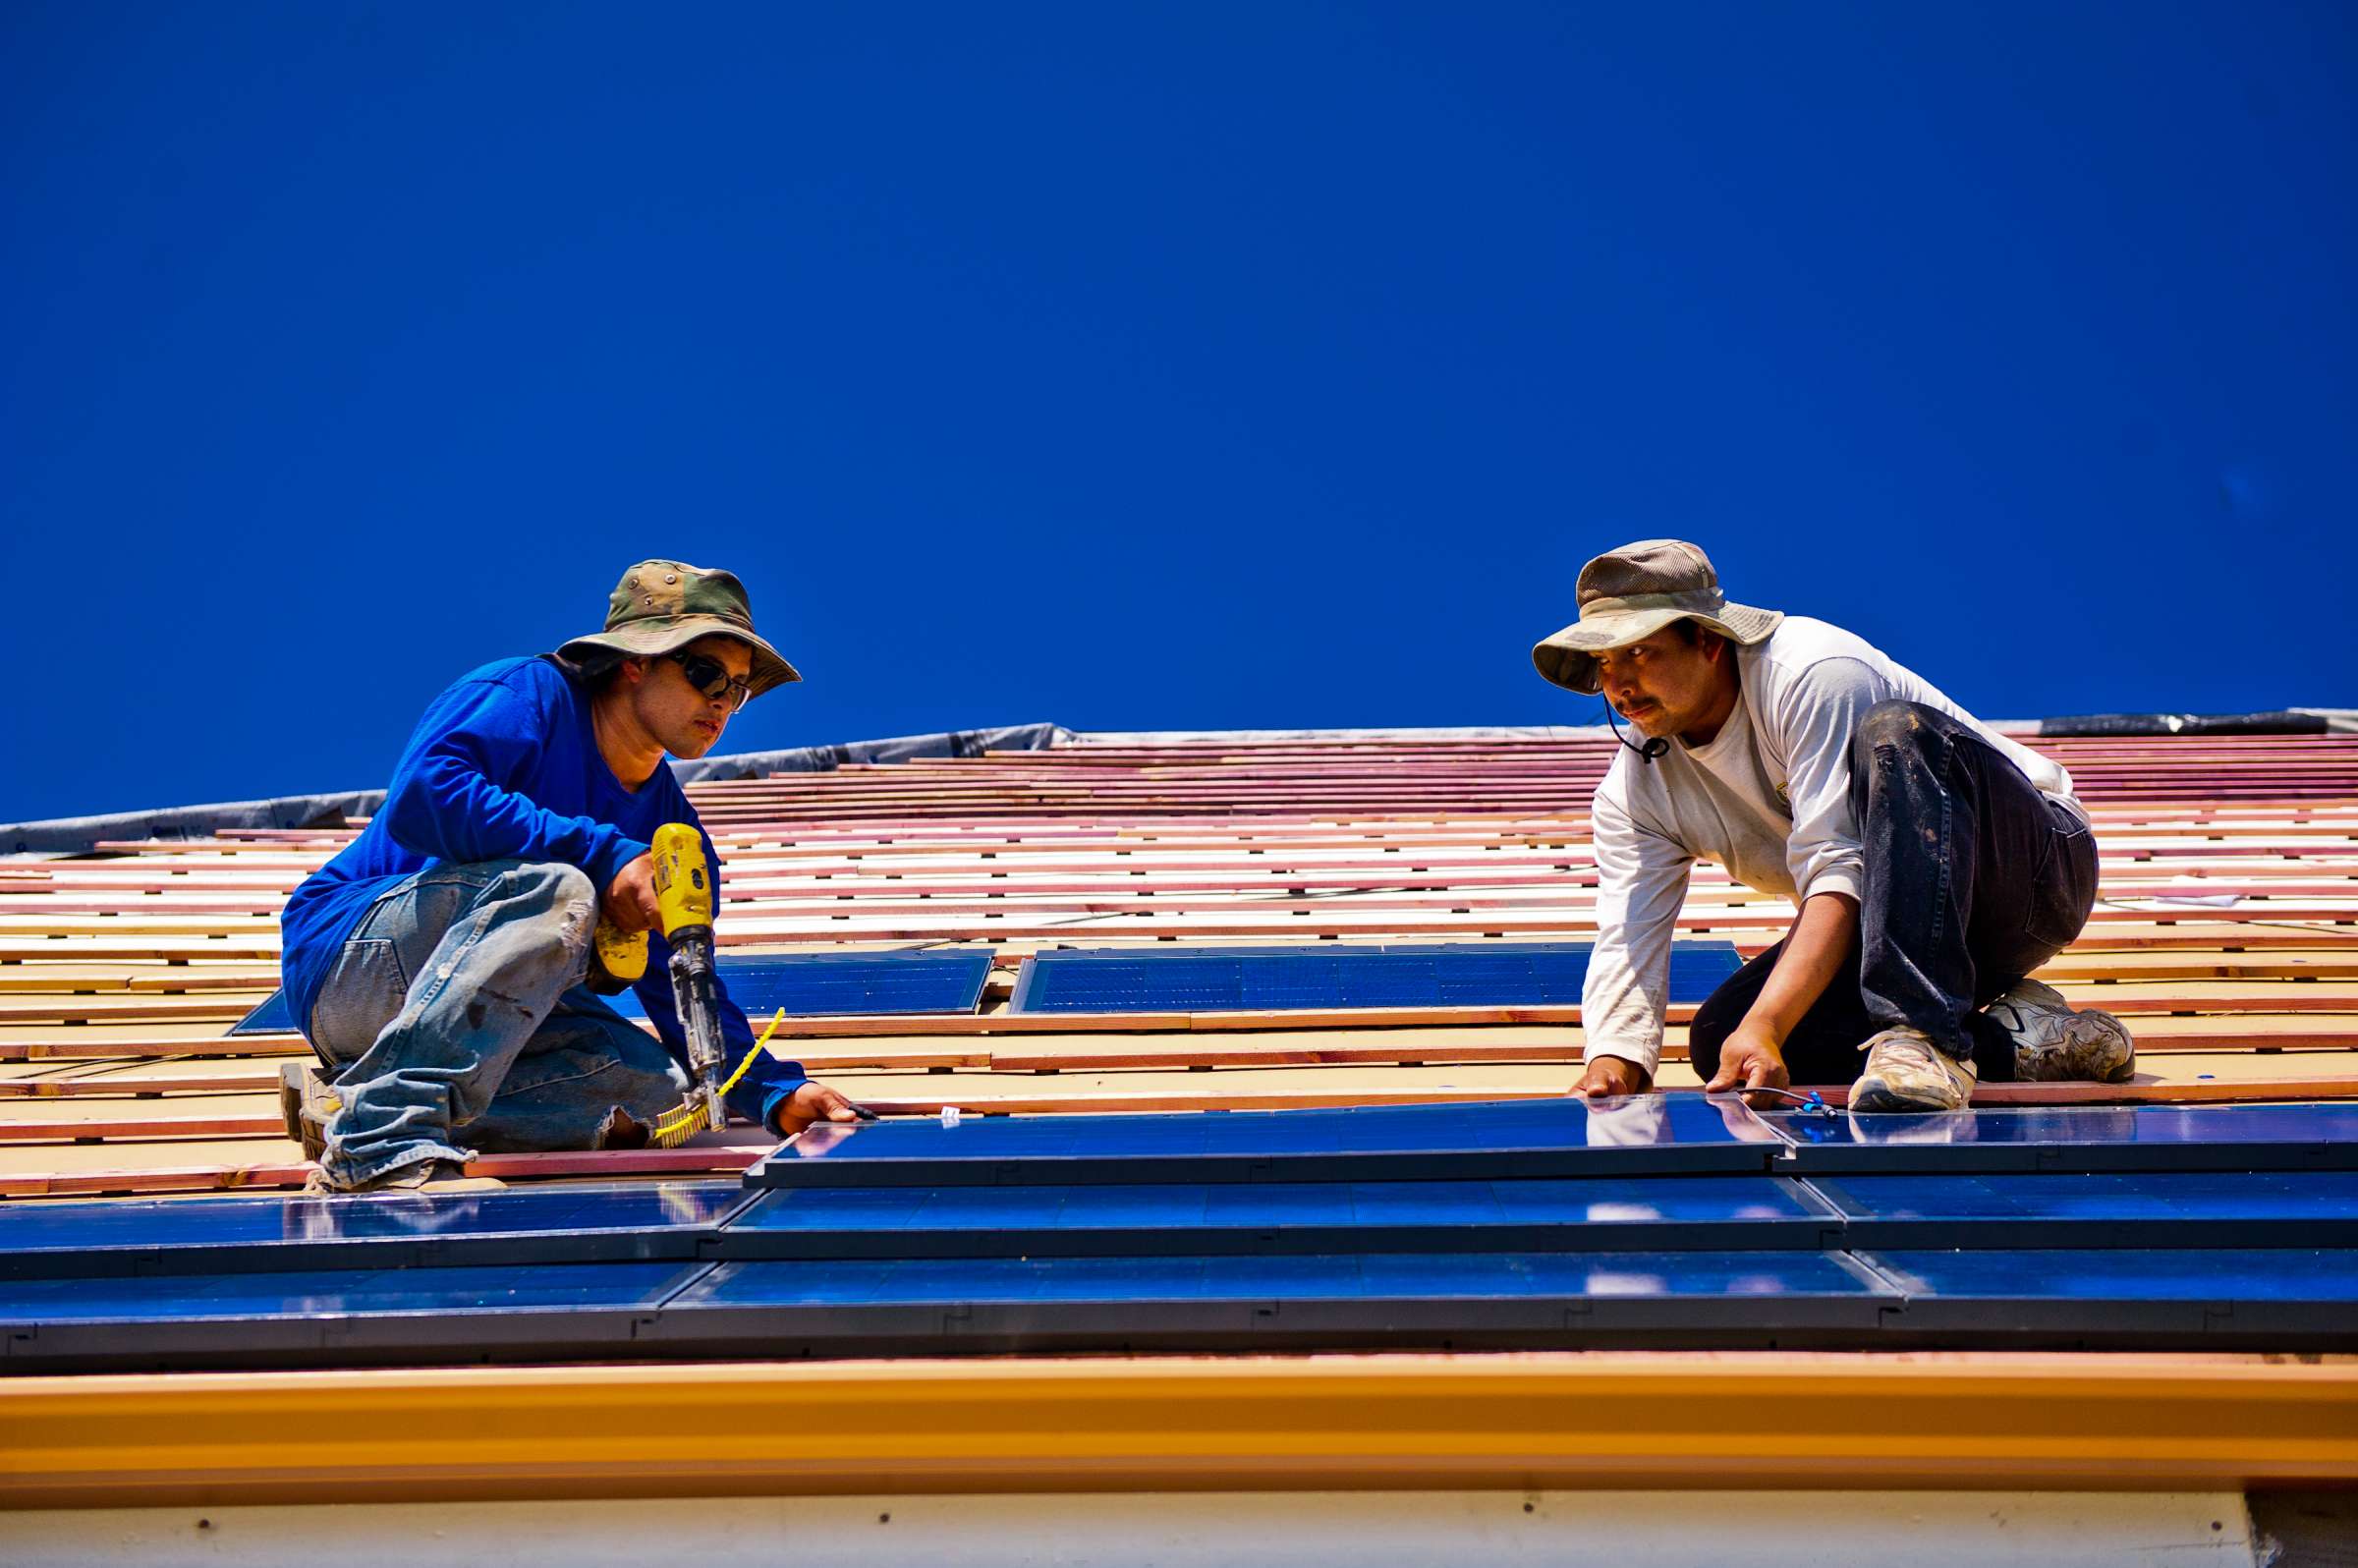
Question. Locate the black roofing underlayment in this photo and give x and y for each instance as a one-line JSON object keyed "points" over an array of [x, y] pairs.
{"points": [[2291, 721], [77, 835]]}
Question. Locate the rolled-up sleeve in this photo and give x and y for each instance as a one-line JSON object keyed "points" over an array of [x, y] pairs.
{"points": [[1640, 885], [1818, 713]]}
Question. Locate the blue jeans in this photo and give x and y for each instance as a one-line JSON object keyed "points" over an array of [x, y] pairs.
{"points": [[458, 1002], [1974, 879]]}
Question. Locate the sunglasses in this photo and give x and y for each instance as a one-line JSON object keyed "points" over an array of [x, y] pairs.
{"points": [[712, 678]]}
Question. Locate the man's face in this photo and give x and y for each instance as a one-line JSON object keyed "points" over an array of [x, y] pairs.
{"points": [[1663, 684], [684, 720]]}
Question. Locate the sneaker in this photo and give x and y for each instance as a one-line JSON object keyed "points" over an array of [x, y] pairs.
{"points": [[305, 1102], [1906, 1072], [420, 1176], [2056, 1043]]}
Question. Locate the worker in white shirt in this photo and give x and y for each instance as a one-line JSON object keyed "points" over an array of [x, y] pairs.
{"points": [[1935, 864]]}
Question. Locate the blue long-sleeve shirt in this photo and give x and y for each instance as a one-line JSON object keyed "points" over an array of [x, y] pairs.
{"points": [[505, 765]]}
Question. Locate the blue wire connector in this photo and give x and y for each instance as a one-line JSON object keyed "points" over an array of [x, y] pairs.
{"points": [[1811, 1104]]}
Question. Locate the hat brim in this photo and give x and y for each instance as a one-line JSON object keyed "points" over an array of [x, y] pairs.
{"points": [[1569, 657], [771, 668]]}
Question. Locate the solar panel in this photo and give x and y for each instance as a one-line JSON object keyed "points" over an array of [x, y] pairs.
{"points": [[340, 1315], [1432, 1276], [1323, 974], [2176, 1209], [270, 1015], [832, 985], [2282, 1298], [519, 1225], [932, 1304], [2126, 1138], [805, 984], [1646, 1135], [1582, 1214]]}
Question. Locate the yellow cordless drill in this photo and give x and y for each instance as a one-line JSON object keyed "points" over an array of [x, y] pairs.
{"points": [[684, 900]]}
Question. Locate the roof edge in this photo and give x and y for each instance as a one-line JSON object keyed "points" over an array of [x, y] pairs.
{"points": [[1469, 732], [79, 835]]}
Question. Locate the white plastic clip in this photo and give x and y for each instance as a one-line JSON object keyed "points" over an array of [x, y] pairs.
{"points": [[949, 1116]]}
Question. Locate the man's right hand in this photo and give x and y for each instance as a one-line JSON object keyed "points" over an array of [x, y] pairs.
{"points": [[1609, 1075], [629, 899]]}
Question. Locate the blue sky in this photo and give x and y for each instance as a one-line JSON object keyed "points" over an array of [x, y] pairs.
{"points": [[1154, 365]]}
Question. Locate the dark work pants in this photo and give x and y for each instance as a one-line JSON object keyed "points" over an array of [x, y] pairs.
{"points": [[1973, 879]]}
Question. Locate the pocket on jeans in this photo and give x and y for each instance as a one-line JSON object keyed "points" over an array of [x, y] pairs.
{"points": [[2059, 903], [364, 988]]}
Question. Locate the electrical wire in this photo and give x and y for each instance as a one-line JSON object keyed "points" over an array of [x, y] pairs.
{"points": [[2213, 918], [693, 1115]]}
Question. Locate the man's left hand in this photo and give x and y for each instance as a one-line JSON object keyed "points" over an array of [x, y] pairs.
{"points": [[1749, 1061], [813, 1103]]}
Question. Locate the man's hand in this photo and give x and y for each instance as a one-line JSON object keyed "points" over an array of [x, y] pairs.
{"points": [[813, 1103], [1750, 1059], [629, 899], [1608, 1076]]}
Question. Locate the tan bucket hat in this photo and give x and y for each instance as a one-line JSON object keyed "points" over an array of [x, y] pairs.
{"points": [[661, 606], [1634, 592]]}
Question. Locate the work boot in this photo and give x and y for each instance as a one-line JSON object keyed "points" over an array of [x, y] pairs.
{"points": [[1906, 1072], [305, 1102], [2056, 1043], [430, 1176]]}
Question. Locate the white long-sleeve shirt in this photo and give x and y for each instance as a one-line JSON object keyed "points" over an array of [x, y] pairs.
{"points": [[1769, 799]]}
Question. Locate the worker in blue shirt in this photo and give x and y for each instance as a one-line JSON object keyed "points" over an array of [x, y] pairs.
{"points": [[439, 965]]}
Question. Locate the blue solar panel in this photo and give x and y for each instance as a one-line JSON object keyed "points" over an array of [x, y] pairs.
{"points": [[786, 1307], [269, 1017], [1647, 1135], [2279, 1299], [1289, 1300], [2129, 1274], [337, 1317], [608, 1223], [28, 1303], [1405, 1276], [2177, 1208], [805, 984], [833, 985], [2165, 1137], [1581, 1213], [1319, 974]]}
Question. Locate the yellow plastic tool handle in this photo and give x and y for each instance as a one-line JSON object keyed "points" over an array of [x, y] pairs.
{"points": [[623, 954], [683, 882]]}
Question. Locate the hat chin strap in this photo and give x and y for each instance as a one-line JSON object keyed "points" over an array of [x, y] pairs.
{"points": [[1653, 748]]}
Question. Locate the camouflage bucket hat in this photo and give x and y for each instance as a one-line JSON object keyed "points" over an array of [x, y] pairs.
{"points": [[1630, 593], [661, 606]]}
